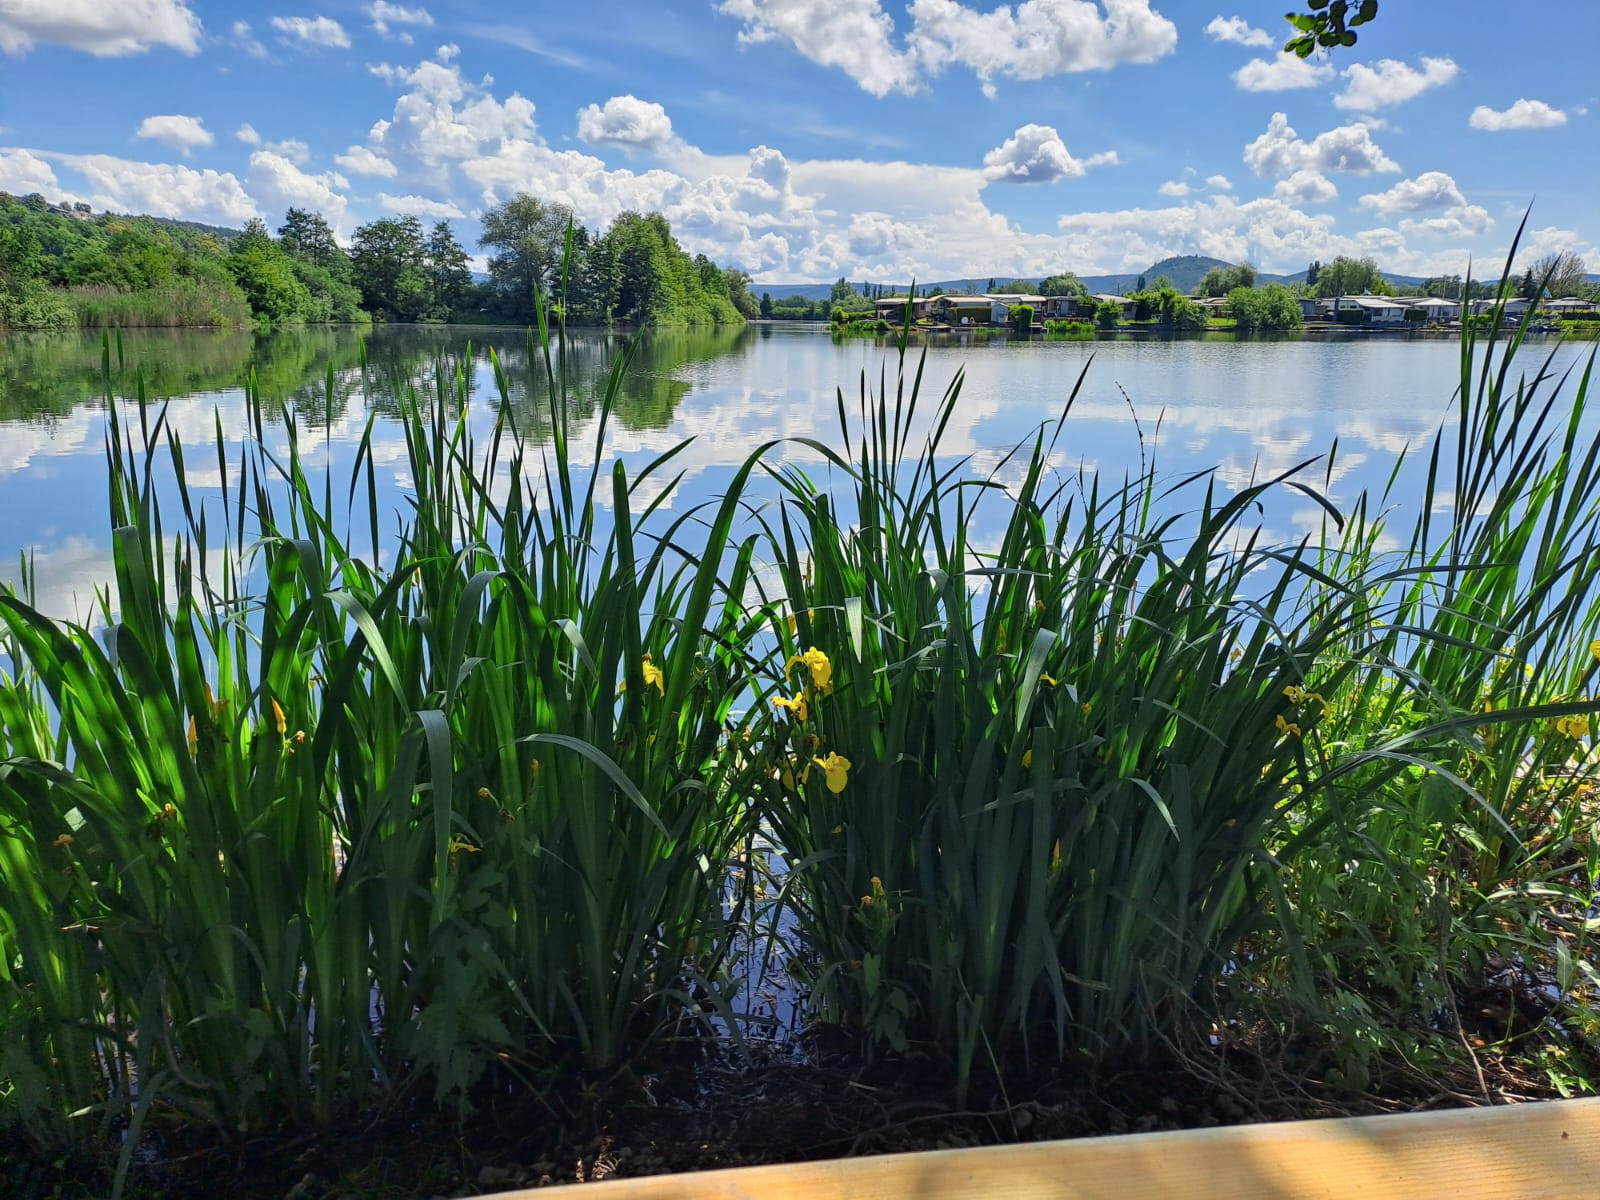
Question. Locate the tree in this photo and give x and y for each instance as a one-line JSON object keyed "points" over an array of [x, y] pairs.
{"points": [[737, 285], [842, 292], [1445, 286], [1559, 273], [766, 305], [1064, 284], [1108, 314], [389, 262], [449, 276], [1311, 273], [266, 276], [307, 236], [1270, 307], [1220, 281], [1022, 319], [1350, 276], [1329, 23], [529, 237], [1139, 287]]}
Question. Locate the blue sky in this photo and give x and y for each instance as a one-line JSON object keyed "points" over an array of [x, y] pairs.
{"points": [[807, 139]]}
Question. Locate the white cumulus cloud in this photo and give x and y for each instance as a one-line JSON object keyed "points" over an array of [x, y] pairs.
{"points": [[1036, 154], [1039, 38], [1237, 30], [1389, 82], [1174, 187], [1524, 114], [419, 206], [1031, 40], [625, 121], [279, 184], [1219, 183], [1431, 189], [179, 132], [247, 134], [854, 36], [313, 31], [1281, 151], [22, 173], [1305, 186], [1464, 220], [107, 28], [161, 189], [293, 149], [361, 161], [1281, 73]]}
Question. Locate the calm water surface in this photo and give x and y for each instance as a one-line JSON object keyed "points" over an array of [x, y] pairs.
{"points": [[1244, 408]]}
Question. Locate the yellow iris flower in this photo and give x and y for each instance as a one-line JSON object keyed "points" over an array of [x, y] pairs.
{"points": [[817, 663], [652, 675], [837, 769], [797, 706], [1576, 727]]}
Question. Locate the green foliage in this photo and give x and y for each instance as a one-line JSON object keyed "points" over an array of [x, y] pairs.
{"points": [[266, 276], [1108, 314], [1095, 722], [1557, 274], [1467, 668], [1273, 307], [528, 237], [389, 264], [364, 830], [1021, 318], [28, 304], [60, 265], [1064, 284], [1068, 331], [1351, 277], [184, 303], [1219, 281], [1329, 23]]}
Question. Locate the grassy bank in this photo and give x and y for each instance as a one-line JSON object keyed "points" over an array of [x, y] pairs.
{"points": [[329, 821], [181, 304]]}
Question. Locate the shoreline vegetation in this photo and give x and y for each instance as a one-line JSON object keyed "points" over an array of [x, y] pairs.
{"points": [[64, 267], [493, 818]]}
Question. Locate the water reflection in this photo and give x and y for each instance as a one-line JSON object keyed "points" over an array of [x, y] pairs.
{"points": [[44, 375], [1246, 410]]}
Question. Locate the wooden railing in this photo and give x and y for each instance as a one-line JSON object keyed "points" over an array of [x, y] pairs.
{"points": [[1548, 1151]]}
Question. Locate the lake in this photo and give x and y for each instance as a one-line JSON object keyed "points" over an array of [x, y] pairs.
{"points": [[1247, 409]]}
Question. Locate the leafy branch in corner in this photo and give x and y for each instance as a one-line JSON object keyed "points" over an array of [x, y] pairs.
{"points": [[1330, 23]]}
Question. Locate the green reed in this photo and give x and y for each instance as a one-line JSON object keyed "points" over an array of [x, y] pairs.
{"points": [[1465, 672], [304, 827]]}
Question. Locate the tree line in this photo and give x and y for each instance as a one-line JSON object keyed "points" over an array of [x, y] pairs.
{"points": [[61, 265]]}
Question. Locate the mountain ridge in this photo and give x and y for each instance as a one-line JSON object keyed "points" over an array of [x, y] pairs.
{"points": [[1185, 271]]}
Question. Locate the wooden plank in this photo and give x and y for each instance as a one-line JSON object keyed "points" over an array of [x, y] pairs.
{"points": [[1548, 1151]]}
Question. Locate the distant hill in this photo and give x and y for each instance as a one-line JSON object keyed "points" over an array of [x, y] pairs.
{"points": [[1185, 271]]}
